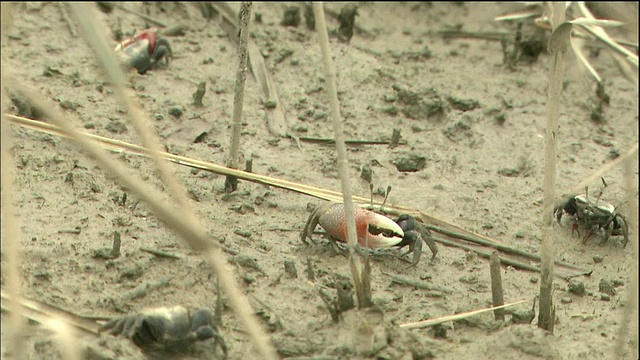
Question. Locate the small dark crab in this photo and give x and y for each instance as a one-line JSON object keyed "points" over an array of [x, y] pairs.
{"points": [[170, 329], [373, 230], [594, 217], [144, 50]]}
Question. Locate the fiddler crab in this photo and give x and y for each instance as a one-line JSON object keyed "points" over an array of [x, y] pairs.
{"points": [[170, 329], [373, 230], [594, 217], [144, 50]]}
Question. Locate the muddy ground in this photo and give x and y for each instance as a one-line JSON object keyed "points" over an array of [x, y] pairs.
{"points": [[476, 122]]}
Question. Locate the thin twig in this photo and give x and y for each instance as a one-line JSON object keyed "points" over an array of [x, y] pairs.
{"points": [[496, 285], [160, 253], [330, 141], [186, 224], [143, 16], [343, 170], [64, 14], [142, 289], [402, 280], [231, 183], [463, 34], [486, 254], [431, 222], [443, 319]]}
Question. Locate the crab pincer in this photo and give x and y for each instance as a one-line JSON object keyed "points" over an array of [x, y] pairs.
{"points": [[414, 234]]}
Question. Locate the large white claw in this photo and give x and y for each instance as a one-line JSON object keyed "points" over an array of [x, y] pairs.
{"points": [[382, 231]]}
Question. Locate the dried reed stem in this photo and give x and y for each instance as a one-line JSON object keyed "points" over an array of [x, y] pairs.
{"points": [[231, 182], [66, 338], [11, 233], [94, 32], [629, 315], [330, 75], [185, 226], [194, 236], [496, 285], [456, 317], [557, 48], [631, 308]]}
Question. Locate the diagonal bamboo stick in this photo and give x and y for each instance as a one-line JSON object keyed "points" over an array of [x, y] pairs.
{"points": [[320, 193]]}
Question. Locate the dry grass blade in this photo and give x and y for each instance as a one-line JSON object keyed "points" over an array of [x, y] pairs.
{"points": [[596, 175], [576, 46], [11, 233], [600, 34], [185, 223], [41, 312], [464, 315], [319, 193], [587, 27], [93, 31], [67, 339], [193, 235], [60, 321], [518, 15], [143, 16]]}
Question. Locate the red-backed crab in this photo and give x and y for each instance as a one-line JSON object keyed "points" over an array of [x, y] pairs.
{"points": [[144, 50], [373, 230], [170, 329], [594, 217]]}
